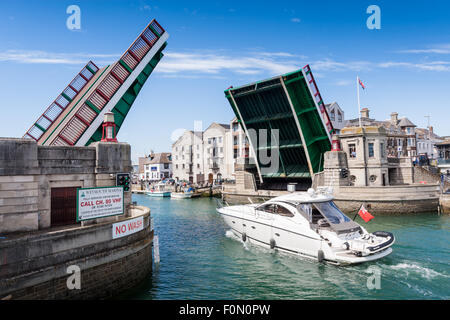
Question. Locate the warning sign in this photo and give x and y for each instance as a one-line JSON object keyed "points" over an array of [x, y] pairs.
{"points": [[125, 228], [93, 203]]}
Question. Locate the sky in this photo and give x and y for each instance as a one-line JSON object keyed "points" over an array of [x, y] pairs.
{"points": [[404, 65]]}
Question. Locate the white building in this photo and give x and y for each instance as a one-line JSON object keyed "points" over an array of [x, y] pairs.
{"points": [[426, 142], [240, 144], [203, 157], [336, 115], [155, 167]]}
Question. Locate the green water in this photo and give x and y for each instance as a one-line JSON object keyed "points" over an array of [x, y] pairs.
{"points": [[201, 260]]}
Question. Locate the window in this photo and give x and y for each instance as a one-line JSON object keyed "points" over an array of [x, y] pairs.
{"points": [[209, 141], [339, 116], [382, 150], [331, 212], [332, 117], [282, 211], [166, 166], [198, 165], [371, 153], [198, 155], [220, 139], [352, 150], [221, 149], [176, 166], [182, 148], [176, 148], [183, 165], [235, 153], [269, 208], [198, 147]]}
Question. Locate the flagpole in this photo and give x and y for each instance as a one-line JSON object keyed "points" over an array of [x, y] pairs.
{"points": [[359, 106]]}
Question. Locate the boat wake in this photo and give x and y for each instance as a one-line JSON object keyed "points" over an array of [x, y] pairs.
{"points": [[424, 272]]}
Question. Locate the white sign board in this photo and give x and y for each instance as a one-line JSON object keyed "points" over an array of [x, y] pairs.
{"points": [[127, 227], [93, 203]]}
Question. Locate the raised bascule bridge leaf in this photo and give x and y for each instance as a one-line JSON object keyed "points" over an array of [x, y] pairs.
{"points": [[292, 104], [75, 117]]}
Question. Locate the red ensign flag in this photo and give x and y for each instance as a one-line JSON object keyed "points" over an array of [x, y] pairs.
{"points": [[364, 214], [362, 84]]}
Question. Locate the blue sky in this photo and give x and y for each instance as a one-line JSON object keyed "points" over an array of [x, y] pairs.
{"points": [[214, 44]]}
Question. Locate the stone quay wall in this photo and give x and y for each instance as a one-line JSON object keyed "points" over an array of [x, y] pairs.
{"points": [[34, 265], [28, 172], [404, 199], [386, 200], [35, 254]]}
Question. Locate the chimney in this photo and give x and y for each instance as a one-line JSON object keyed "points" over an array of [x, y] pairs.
{"points": [[364, 113], [431, 129], [394, 118]]}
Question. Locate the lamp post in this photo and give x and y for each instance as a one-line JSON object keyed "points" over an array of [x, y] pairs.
{"points": [[335, 143], [109, 128]]}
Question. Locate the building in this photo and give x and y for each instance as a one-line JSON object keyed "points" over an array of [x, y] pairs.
{"points": [[427, 142], [204, 157], [187, 157], [336, 115], [218, 157], [241, 150], [444, 155], [155, 167], [401, 137], [369, 163]]}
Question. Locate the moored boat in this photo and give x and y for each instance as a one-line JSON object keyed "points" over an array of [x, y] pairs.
{"points": [[159, 190], [181, 195]]}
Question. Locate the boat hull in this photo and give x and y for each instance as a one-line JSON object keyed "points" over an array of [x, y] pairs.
{"points": [[159, 194], [181, 195]]}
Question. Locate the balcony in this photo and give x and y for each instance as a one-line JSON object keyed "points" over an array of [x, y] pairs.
{"points": [[393, 160], [214, 163]]}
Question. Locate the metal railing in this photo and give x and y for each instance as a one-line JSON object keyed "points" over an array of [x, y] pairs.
{"points": [[55, 109]]}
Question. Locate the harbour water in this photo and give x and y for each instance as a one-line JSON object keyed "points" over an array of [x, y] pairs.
{"points": [[201, 259]]}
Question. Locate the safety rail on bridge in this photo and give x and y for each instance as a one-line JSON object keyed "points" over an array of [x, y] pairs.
{"points": [[318, 99], [62, 101]]}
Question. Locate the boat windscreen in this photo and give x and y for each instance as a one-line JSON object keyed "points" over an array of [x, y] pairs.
{"points": [[332, 212]]}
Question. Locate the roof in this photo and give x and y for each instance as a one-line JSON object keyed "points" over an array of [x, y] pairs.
{"points": [[304, 197], [226, 126], [405, 122], [156, 158], [163, 157], [443, 143]]}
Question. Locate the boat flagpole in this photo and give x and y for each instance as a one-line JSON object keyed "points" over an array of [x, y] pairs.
{"points": [[359, 105]]}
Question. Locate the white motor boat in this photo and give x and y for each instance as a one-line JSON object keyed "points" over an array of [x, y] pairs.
{"points": [[181, 195], [308, 224]]}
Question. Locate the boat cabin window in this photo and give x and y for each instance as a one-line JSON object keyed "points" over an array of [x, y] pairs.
{"points": [[315, 215], [331, 212], [270, 208], [276, 209], [282, 211]]}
